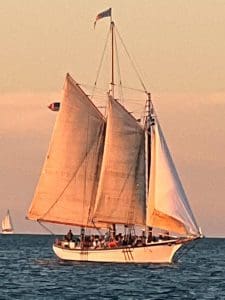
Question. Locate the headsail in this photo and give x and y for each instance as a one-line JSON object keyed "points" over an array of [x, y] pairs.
{"points": [[7, 223], [67, 187], [168, 206], [121, 192]]}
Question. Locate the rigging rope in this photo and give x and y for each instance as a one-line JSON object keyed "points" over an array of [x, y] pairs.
{"points": [[67, 185], [45, 227], [85, 85], [132, 62], [120, 90], [134, 65], [186, 249], [100, 64]]}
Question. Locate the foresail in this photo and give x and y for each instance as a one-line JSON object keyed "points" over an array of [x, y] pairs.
{"points": [[168, 206], [67, 187], [121, 192]]}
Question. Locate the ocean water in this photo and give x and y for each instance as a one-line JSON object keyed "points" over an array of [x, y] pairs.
{"points": [[29, 270]]}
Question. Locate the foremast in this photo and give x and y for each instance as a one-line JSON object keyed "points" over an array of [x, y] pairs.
{"points": [[148, 121]]}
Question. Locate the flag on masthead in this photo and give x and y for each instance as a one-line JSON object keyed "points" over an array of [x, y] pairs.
{"points": [[106, 13]]}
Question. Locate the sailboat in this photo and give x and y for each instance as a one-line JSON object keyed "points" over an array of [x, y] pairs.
{"points": [[106, 172], [7, 227]]}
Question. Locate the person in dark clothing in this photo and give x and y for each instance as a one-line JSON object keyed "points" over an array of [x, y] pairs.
{"points": [[150, 238], [69, 236]]}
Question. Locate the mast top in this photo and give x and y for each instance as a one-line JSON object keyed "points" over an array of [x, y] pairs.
{"points": [[104, 14]]}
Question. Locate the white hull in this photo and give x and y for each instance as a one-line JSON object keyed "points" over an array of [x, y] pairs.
{"points": [[160, 252], [7, 232]]}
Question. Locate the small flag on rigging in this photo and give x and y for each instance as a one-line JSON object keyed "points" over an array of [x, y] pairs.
{"points": [[54, 106], [106, 13]]}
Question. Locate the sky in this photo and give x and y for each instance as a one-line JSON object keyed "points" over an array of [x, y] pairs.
{"points": [[179, 48]]}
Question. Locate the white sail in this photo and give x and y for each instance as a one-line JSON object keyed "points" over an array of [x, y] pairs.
{"points": [[68, 183], [7, 223], [168, 206], [121, 192]]}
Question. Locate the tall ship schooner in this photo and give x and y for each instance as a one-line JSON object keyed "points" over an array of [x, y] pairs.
{"points": [[7, 227], [111, 173]]}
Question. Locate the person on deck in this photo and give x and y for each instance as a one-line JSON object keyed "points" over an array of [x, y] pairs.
{"points": [[150, 234], [69, 236], [112, 243], [143, 237]]}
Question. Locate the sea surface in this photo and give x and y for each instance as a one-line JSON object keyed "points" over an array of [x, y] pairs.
{"points": [[30, 270]]}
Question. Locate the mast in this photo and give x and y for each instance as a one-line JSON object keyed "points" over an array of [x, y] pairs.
{"points": [[147, 126], [112, 25]]}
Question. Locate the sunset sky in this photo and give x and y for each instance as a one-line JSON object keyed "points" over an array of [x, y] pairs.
{"points": [[179, 47]]}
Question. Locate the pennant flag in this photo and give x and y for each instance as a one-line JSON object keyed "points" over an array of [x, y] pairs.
{"points": [[106, 13], [54, 106]]}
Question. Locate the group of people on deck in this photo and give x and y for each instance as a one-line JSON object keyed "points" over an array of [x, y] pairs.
{"points": [[110, 240]]}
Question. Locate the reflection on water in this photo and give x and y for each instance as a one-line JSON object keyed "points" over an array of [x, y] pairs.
{"points": [[29, 270]]}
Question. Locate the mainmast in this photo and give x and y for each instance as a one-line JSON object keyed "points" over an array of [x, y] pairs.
{"points": [[112, 26]]}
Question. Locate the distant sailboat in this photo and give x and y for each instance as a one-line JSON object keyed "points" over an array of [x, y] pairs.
{"points": [[7, 227], [103, 171]]}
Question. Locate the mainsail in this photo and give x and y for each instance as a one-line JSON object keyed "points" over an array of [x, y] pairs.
{"points": [[68, 183], [7, 223], [168, 206], [121, 191]]}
